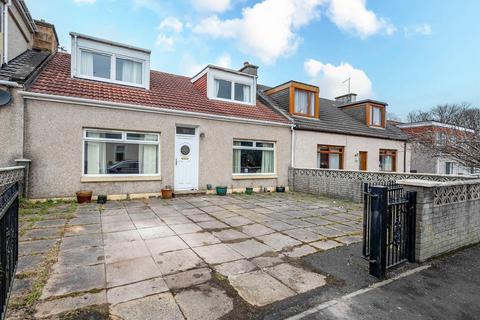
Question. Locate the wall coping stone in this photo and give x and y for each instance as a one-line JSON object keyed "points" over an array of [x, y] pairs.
{"points": [[436, 184]]}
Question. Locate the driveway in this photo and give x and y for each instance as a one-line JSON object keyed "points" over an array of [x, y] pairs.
{"points": [[192, 257]]}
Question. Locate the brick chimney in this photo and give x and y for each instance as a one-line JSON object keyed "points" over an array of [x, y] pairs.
{"points": [[347, 98], [46, 38], [249, 68]]}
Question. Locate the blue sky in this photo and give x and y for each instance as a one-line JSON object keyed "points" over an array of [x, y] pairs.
{"points": [[412, 54]]}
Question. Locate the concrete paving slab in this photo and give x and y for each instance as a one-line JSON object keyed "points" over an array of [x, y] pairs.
{"points": [[49, 223], [250, 248], [165, 244], [176, 261], [77, 279], [83, 229], [176, 220], [188, 278], [136, 290], [263, 262], [115, 219], [37, 246], [155, 232], [303, 235], [29, 263], [125, 251], [204, 302], [199, 239], [326, 244], [201, 217], [279, 225], [150, 223], [210, 225], [118, 226], [81, 257], [76, 242], [185, 228], [43, 233], [349, 239], [235, 267], [112, 238], [278, 241], [230, 235], [298, 279], [156, 307], [52, 307], [301, 251], [328, 232], [237, 221], [217, 253], [270, 290], [129, 271], [255, 230]]}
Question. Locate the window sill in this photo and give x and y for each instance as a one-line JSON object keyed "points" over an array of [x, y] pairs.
{"points": [[254, 176], [120, 179]]}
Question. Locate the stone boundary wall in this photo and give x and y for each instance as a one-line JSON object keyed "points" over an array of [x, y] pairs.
{"points": [[448, 216], [348, 184]]}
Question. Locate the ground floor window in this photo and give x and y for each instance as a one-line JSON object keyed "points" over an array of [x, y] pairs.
{"points": [[329, 157], [120, 153], [449, 167], [253, 157], [388, 160]]}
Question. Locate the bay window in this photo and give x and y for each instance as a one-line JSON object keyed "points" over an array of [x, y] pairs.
{"points": [[388, 160], [109, 152], [253, 157], [329, 157]]}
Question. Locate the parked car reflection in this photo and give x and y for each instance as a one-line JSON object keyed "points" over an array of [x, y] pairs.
{"points": [[124, 167]]}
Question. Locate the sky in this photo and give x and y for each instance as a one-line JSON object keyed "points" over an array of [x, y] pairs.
{"points": [[412, 54]]}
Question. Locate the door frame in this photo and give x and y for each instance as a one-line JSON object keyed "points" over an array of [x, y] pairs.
{"points": [[196, 145]]}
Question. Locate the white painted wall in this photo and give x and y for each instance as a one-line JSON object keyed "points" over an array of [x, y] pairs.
{"points": [[306, 149]]}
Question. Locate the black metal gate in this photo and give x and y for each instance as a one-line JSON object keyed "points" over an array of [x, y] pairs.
{"points": [[9, 205], [388, 226]]}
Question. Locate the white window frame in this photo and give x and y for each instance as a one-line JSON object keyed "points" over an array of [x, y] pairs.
{"points": [[80, 44], [234, 77], [123, 141], [254, 147]]}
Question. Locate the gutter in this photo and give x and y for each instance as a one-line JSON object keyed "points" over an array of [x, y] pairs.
{"points": [[10, 84], [134, 107]]}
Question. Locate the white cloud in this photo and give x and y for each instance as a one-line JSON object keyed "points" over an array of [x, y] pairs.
{"points": [[164, 42], [353, 16], [211, 5], [423, 29], [267, 29], [190, 66], [330, 79], [84, 1], [171, 23], [152, 5]]}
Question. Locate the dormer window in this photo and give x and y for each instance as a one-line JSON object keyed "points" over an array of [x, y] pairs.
{"points": [[302, 98], [304, 103], [376, 116], [103, 60], [228, 85]]}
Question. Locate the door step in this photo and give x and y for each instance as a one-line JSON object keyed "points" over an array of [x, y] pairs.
{"points": [[189, 193]]}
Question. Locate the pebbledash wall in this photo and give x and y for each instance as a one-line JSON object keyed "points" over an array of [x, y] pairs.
{"points": [[448, 216], [348, 184]]}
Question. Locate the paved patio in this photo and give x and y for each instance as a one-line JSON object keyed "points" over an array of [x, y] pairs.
{"points": [[191, 257]]}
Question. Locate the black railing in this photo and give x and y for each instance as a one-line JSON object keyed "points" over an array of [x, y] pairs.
{"points": [[9, 205], [389, 227]]}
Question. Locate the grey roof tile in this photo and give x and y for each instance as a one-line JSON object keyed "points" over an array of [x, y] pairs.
{"points": [[20, 68]]}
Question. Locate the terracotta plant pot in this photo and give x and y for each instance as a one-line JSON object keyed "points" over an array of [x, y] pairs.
{"points": [[84, 196], [167, 193]]}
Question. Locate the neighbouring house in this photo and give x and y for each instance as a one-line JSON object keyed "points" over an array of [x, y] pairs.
{"points": [[431, 159], [342, 133], [25, 44], [101, 119]]}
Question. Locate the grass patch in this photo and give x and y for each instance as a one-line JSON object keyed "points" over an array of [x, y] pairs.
{"points": [[28, 207]]}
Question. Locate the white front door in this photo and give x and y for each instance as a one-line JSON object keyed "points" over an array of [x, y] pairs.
{"points": [[186, 158]]}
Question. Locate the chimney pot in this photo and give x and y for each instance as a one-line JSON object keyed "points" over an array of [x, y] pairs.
{"points": [[249, 68]]}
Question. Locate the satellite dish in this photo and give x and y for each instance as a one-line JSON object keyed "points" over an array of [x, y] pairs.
{"points": [[5, 97]]}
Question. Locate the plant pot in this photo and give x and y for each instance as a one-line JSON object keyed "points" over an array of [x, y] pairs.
{"points": [[167, 193], [84, 196], [248, 190], [102, 199], [221, 191], [280, 189], [209, 186]]}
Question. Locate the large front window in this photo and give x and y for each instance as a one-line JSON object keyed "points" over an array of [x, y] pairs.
{"points": [[330, 157], [120, 153], [304, 102], [229, 90], [253, 157], [388, 160]]}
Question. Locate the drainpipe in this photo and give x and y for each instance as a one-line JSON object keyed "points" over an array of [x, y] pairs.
{"points": [[292, 159], [5, 30], [405, 157]]}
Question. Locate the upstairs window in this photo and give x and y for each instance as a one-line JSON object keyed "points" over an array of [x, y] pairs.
{"points": [[304, 103], [95, 65], [376, 116], [229, 90], [129, 71]]}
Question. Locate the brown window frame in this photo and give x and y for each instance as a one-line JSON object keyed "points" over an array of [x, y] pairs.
{"points": [[388, 152], [341, 153]]}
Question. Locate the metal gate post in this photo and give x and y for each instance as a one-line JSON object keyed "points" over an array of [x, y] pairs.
{"points": [[378, 237], [412, 221]]}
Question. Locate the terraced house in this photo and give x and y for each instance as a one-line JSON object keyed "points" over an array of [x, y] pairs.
{"points": [[100, 119]]}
